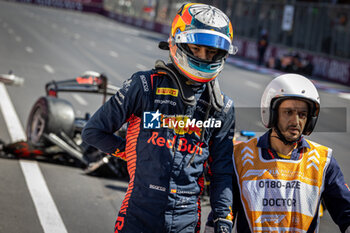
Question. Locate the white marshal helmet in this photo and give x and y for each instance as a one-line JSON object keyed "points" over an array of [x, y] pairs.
{"points": [[289, 86]]}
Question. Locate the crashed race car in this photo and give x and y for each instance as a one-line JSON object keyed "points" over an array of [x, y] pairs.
{"points": [[54, 132]]}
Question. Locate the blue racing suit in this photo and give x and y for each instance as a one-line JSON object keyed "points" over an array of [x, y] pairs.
{"points": [[163, 135], [336, 193]]}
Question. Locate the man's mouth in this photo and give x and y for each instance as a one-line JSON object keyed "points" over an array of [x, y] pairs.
{"points": [[294, 130]]}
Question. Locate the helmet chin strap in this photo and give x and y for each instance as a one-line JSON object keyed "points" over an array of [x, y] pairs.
{"points": [[283, 138]]}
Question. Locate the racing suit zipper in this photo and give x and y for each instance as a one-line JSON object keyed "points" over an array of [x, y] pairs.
{"points": [[174, 151], [177, 138], [197, 145]]}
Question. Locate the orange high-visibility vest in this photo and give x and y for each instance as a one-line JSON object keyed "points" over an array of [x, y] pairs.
{"points": [[280, 195]]}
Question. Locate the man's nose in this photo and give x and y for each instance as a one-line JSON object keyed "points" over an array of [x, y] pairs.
{"points": [[295, 119], [202, 54]]}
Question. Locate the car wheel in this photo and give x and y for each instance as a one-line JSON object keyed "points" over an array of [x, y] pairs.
{"points": [[49, 115]]}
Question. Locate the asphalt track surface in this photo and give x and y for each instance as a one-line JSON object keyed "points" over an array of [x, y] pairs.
{"points": [[43, 44]]}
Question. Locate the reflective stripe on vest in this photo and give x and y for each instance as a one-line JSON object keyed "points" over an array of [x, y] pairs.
{"points": [[280, 195]]}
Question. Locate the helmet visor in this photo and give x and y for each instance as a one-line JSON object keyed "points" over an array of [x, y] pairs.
{"points": [[203, 37]]}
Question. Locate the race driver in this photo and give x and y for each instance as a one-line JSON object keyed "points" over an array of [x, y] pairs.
{"points": [[177, 120], [281, 177]]}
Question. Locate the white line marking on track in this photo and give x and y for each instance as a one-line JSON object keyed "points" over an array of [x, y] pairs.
{"points": [[49, 216], [10, 116], [113, 54], [344, 95], [80, 99], [45, 206], [49, 69], [10, 31], [18, 38], [141, 67], [29, 49], [252, 84]]}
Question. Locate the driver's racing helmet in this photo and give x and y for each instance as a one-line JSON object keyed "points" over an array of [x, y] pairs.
{"points": [[205, 25], [289, 86]]}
